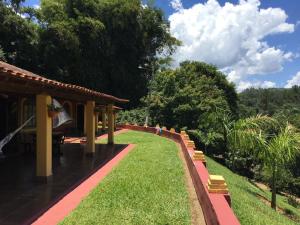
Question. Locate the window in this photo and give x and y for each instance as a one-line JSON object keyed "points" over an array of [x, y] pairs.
{"points": [[68, 108]]}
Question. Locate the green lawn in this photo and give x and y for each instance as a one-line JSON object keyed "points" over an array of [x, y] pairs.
{"points": [[147, 187], [248, 208]]}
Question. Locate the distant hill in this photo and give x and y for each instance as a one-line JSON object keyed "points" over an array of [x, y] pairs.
{"points": [[279, 102]]}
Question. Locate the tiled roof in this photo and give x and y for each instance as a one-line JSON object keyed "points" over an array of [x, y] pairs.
{"points": [[18, 73], [114, 107], [117, 108]]}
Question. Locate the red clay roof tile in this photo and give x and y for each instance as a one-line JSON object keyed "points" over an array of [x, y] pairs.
{"points": [[14, 71]]}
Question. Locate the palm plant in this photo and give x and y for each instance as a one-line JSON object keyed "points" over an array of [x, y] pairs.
{"points": [[269, 141]]}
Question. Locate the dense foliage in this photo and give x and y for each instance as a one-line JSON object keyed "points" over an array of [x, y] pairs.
{"points": [[138, 116], [195, 96], [106, 45], [18, 38], [278, 102], [283, 105], [265, 138], [104, 41]]}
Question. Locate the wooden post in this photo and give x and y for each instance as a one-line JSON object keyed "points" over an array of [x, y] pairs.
{"points": [[90, 127], [110, 124], [43, 137]]}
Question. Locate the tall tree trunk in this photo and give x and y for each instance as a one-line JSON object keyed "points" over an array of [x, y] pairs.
{"points": [[273, 202]]}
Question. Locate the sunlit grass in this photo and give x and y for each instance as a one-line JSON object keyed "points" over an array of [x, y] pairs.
{"points": [[247, 206], [147, 187]]}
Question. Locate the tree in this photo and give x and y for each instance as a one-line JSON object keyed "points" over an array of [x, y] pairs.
{"points": [[18, 38], [99, 44], [137, 115], [271, 102], [264, 137], [15, 4], [189, 96], [192, 97], [103, 44]]}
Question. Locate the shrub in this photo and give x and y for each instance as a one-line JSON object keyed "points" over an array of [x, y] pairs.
{"points": [[194, 136], [284, 177], [294, 186], [242, 163], [292, 200], [288, 212], [133, 116], [211, 142]]}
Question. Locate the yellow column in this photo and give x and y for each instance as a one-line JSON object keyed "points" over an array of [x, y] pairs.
{"points": [[103, 114], [110, 124], [43, 136], [90, 127]]}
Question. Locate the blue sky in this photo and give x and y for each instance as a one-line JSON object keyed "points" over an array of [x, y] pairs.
{"points": [[275, 33]]}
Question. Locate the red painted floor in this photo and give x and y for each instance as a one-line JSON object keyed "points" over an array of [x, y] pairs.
{"points": [[23, 198], [60, 210]]}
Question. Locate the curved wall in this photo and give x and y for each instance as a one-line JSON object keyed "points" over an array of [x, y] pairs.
{"points": [[216, 207]]}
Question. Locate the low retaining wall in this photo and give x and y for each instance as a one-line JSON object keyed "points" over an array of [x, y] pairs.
{"points": [[215, 207]]}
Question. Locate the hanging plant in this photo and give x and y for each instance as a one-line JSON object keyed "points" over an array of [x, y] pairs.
{"points": [[54, 110]]}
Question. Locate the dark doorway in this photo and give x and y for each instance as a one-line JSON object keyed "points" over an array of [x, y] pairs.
{"points": [[80, 118]]}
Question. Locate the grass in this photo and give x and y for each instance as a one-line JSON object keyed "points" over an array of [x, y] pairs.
{"points": [[249, 209], [147, 187]]}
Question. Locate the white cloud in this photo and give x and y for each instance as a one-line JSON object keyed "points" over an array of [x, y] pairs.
{"points": [[231, 37], [243, 85], [294, 81], [176, 5]]}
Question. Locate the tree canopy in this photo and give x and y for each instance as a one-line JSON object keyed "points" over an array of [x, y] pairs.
{"points": [[283, 103], [190, 96], [18, 38], [105, 45]]}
